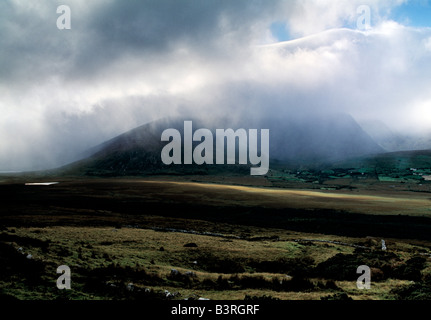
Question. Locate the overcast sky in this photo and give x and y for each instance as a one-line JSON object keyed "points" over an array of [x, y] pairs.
{"points": [[125, 63]]}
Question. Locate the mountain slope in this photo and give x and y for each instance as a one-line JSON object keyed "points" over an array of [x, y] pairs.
{"points": [[302, 139], [392, 141]]}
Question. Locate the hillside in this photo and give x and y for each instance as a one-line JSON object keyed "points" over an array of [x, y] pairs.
{"points": [[393, 166], [395, 141], [304, 139]]}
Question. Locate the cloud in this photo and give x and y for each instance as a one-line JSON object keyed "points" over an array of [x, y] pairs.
{"points": [[124, 63], [308, 17], [378, 73]]}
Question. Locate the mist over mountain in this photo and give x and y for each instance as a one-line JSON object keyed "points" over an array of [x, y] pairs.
{"points": [[393, 141], [304, 139]]}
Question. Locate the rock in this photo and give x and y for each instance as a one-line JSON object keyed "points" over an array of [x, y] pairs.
{"points": [[170, 294], [190, 274], [175, 272], [29, 256], [162, 249], [383, 245], [191, 245]]}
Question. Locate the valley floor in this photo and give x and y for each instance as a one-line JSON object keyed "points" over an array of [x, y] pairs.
{"points": [[160, 238]]}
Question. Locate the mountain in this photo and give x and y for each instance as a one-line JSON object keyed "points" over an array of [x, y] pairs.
{"points": [[392, 141], [384, 136], [319, 138], [299, 138]]}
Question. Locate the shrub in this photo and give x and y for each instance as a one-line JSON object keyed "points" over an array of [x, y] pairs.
{"points": [[414, 291], [337, 296], [222, 283], [215, 264], [259, 282], [294, 267], [411, 270], [296, 284], [344, 266]]}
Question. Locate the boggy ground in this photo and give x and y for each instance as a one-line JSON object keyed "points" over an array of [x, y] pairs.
{"points": [[157, 239]]}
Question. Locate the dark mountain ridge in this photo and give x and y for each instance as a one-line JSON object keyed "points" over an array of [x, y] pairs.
{"points": [[299, 139]]}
